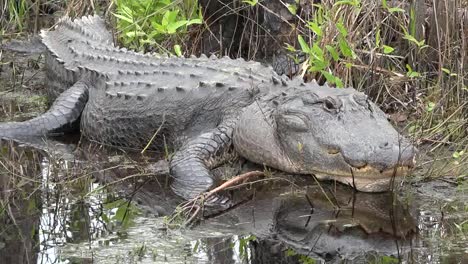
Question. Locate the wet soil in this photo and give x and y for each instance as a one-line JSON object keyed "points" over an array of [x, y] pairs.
{"points": [[78, 202]]}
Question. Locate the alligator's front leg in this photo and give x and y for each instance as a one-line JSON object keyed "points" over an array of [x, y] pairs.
{"points": [[191, 165], [62, 115]]}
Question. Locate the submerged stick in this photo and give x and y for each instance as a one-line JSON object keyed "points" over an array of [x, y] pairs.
{"points": [[187, 208]]}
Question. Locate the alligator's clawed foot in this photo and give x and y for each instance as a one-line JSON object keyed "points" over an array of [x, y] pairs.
{"points": [[218, 201], [211, 201]]}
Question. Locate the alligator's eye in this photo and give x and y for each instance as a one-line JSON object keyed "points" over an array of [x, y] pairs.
{"points": [[293, 121], [328, 105]]}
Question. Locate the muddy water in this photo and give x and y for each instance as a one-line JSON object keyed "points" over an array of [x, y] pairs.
{"points": [[82, 203]]}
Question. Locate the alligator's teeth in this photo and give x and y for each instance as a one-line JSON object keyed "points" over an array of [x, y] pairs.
{"points": [[192, 56], [213, 57], [203, 56]]}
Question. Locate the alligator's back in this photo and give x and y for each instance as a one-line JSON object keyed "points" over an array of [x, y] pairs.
{"points": [[131, 94]]}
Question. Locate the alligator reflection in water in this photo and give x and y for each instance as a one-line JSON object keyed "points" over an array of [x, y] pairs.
{"points": [[289, 223], [325, 225]]}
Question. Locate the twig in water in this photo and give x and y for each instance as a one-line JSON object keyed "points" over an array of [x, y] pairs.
{"points": [[191, 209]]}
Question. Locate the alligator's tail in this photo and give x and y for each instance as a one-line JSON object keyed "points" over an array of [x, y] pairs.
{"points": [[90, 29], [61, 117]]}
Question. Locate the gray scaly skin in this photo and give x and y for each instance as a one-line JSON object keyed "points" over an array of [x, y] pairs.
{"points": [[203, 107]]}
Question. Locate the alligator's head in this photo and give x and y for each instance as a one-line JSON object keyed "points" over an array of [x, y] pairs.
{"points": [[335, 134]]}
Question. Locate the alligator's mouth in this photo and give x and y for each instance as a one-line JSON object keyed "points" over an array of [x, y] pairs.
{"points": [[368, 178]]}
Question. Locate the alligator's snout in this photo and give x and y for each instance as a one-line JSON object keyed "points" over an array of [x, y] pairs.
{"points": [[386, 156]]}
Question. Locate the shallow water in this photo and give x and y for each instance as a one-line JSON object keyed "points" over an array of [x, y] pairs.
{"points": [[81, 221]]}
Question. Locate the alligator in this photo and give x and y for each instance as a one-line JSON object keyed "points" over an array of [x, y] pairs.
{"points": [[206, 108]]}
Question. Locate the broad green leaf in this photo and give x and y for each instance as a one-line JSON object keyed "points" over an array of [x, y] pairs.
{"points": [[158, 27], [128, 19], [317, 52], [342, 29], [412, 73], [292, 8], [458, 154], [178, 50], [414, 40], [387, 49], [344, 48], [317, 65], [250, 2], [447, 71], [339, 82], [332, 79], [315, 28], [430, 106], [172, 28], [172, 16], [304, 46], [333, 52]]}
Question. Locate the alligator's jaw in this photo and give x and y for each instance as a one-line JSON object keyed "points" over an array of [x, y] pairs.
{"points": [[371, 181]]}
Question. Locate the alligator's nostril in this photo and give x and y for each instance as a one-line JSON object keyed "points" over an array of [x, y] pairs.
{"points": [[384, 145]]}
